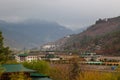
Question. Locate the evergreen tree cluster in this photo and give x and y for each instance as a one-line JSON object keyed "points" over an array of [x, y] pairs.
{"points": [[4, 51]]}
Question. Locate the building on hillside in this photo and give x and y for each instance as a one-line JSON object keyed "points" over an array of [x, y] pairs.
{"points": [[49, 47]]}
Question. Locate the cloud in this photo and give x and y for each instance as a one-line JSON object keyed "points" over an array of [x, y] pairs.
{"points": [[75, 13]]}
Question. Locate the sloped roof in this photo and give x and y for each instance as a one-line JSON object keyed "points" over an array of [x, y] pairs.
{"points": [[50, 56], [23, 55], [16, 68], [38, 75]]}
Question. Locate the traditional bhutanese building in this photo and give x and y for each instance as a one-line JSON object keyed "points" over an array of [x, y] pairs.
{"points": [[9, 69]]}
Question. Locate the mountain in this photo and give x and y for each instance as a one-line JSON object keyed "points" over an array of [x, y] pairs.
{"points": [[102, 37], [31, 33]]}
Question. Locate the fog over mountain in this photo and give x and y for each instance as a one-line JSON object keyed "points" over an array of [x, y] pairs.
{"points": [[31, 33], [73, 14]]}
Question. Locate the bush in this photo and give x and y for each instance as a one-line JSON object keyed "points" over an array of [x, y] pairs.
{"points": [[40, 66]]}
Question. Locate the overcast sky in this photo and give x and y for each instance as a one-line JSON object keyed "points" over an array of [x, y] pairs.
{"points": [[73, 14]]}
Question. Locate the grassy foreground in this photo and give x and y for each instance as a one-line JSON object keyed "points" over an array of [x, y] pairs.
{"points": [[60, 72]]}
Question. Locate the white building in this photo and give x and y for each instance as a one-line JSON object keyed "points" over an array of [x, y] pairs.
{"points": [[48, 46], [27, 57]]}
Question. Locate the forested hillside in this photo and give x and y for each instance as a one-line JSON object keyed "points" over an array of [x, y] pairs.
{"points": [[103, 37]]}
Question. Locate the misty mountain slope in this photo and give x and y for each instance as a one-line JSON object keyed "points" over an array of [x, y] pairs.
{"points": [[31, 33], [102, 37]]}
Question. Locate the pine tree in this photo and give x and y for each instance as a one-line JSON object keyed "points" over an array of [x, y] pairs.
{"points": [[4, 51]]}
